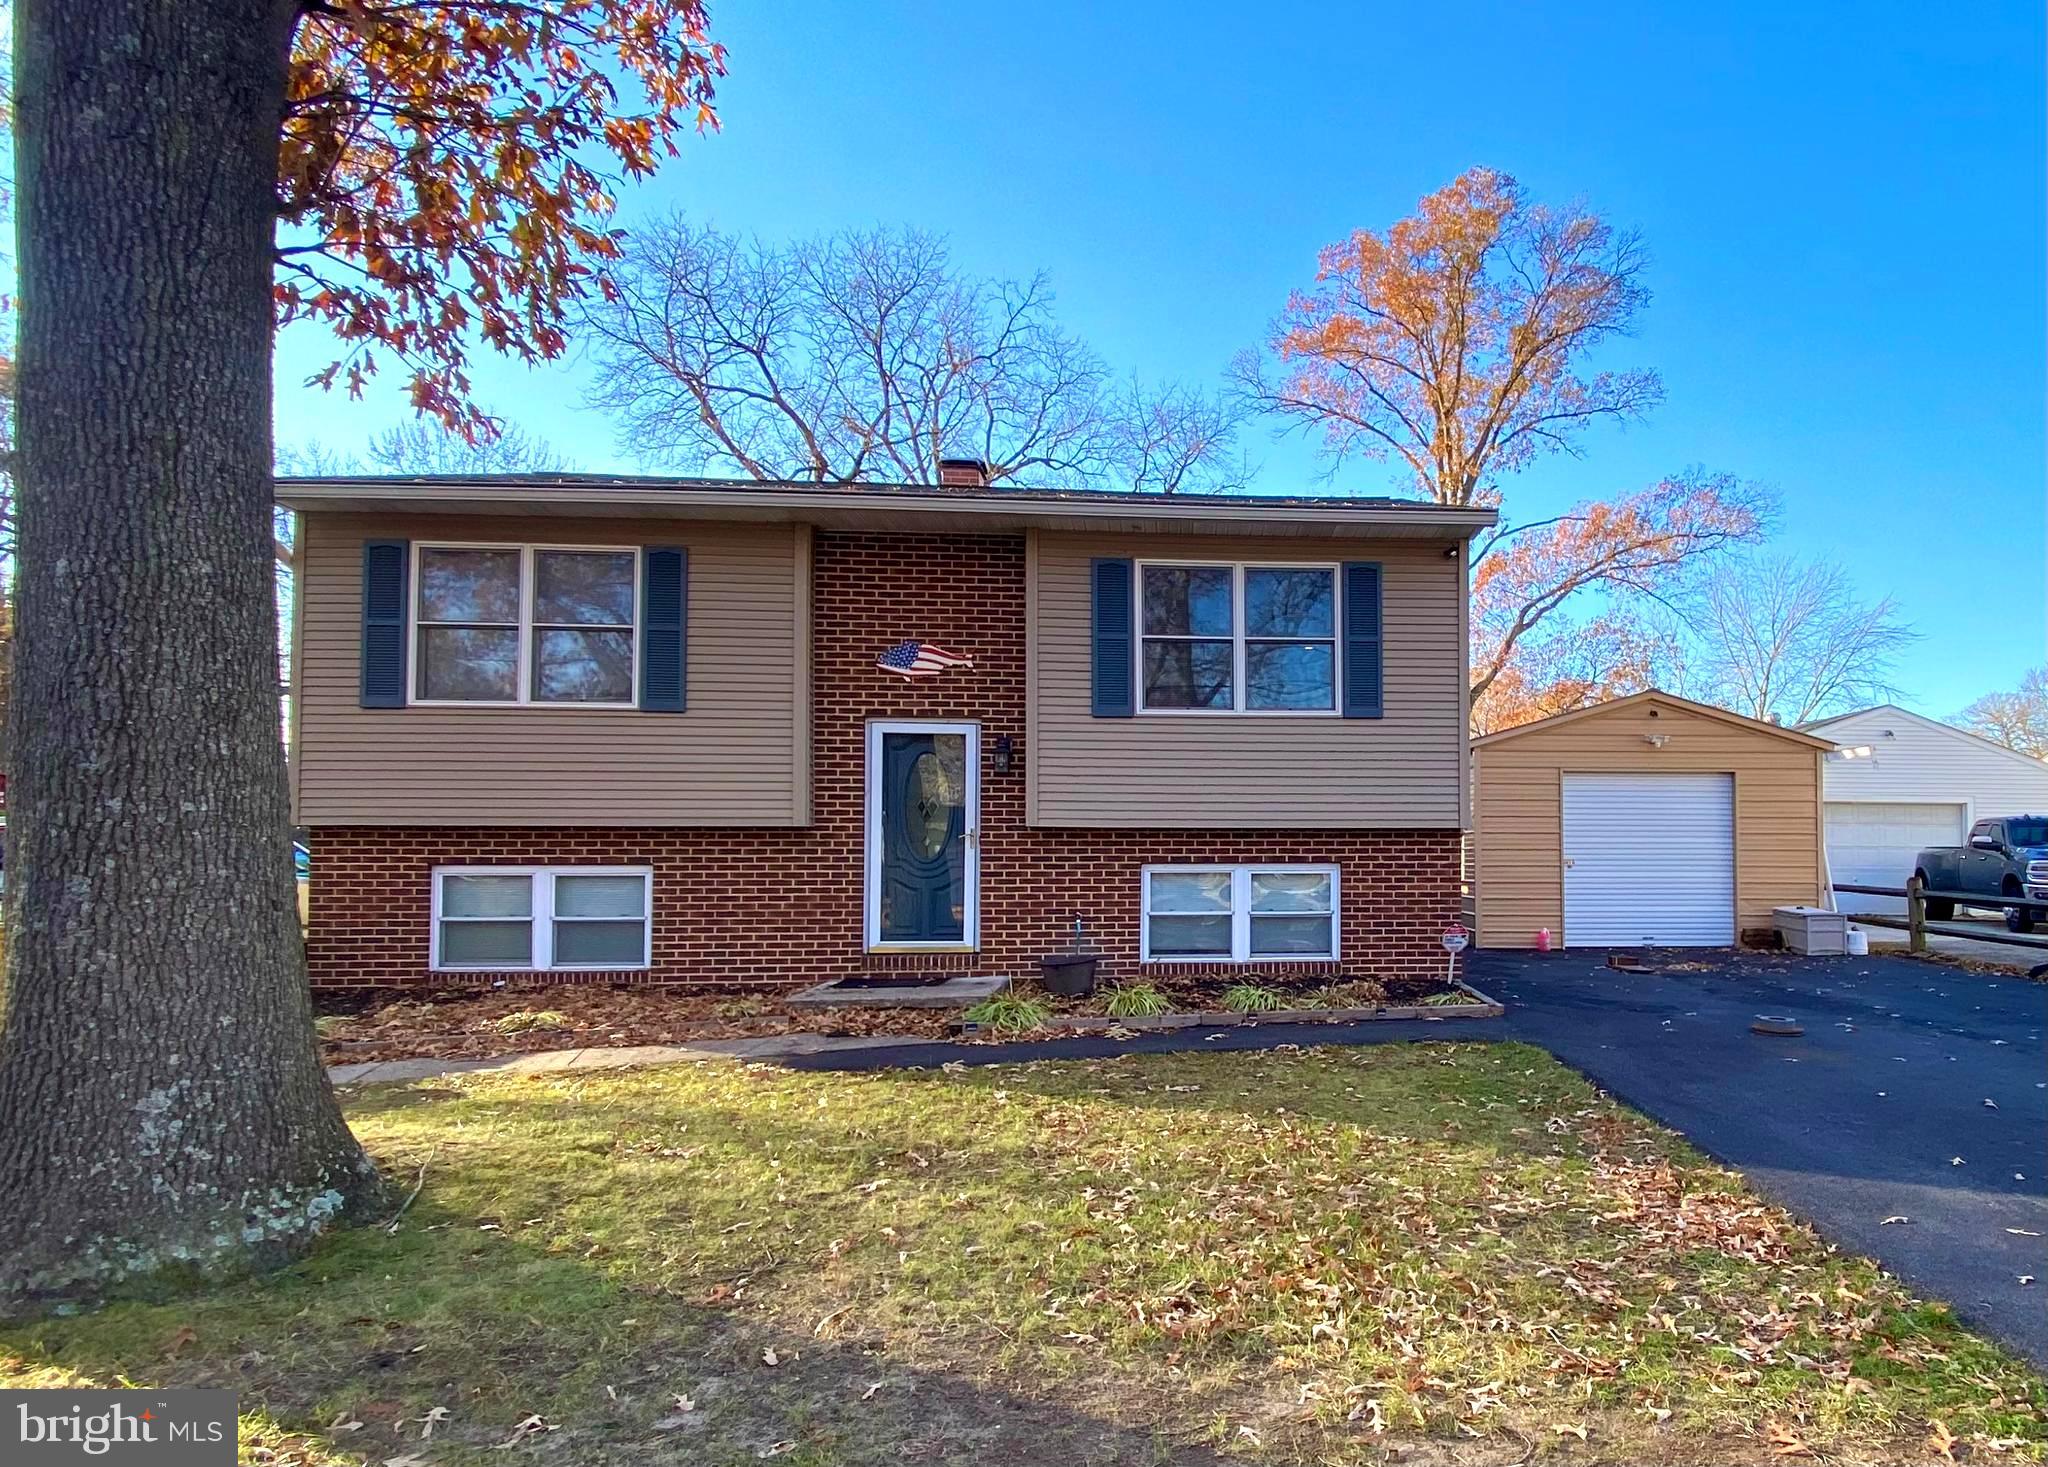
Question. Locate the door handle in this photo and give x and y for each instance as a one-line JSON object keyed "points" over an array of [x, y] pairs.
{"points": [[1568, 863], [970, 838]]}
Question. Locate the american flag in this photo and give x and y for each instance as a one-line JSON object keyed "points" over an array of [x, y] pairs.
{"points": [[920, 659]]}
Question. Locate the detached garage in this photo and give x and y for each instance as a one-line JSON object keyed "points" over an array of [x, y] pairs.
{"points": [[1651, 820], [1904, 783]]}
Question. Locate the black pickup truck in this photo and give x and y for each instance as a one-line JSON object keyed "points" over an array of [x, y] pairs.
{"points": [[2006, 862]]}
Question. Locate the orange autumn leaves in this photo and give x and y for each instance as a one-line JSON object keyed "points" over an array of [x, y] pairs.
{"points": [[1451, 341], [1629, 549], [445, 169], [1456, 343]]}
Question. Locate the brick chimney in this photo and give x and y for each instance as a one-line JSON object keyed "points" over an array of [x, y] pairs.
{"points": [[966, 473]]}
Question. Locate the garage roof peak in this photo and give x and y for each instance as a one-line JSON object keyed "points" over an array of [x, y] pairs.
{"points": [[1658, 697]]}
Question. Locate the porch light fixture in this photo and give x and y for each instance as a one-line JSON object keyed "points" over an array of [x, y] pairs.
{"points": [[1004, 758]]}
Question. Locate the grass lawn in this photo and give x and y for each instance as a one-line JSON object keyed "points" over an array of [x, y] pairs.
{"points": [[1430, 1252]]}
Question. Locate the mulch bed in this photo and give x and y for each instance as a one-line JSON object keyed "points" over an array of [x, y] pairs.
{"points": [[357, 1026]]}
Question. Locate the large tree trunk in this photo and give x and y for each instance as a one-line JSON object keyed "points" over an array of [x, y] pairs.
{"points": [[161, 1098]]}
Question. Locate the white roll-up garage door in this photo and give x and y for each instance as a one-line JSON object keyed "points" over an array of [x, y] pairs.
{"points": [[1649, 858], [1872, 843]]}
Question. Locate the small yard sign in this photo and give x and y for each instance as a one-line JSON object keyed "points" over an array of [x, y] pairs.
{"points": [[1455, 940]]}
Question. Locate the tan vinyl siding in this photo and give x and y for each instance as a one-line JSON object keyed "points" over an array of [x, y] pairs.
{"points": [[737, 757], [1249, 771], [1518, 838]]}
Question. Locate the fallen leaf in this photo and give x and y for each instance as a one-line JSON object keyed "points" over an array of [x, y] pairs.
{"points": [[1785, 1442], [410, 1459], [779, 1449], [2024, 1232], [1897, 1219], [873, 1386], [1939, 1436], [433, 1419], [769, 1357], [1563, 1430], [818, 1329], [344, 1422], [531, 1426]]}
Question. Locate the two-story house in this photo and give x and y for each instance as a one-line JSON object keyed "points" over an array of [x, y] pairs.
{"points": [[605, 729]]}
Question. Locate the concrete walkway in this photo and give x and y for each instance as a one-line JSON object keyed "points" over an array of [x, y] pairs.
{"points": [[1893, 944], [772, 1046]]}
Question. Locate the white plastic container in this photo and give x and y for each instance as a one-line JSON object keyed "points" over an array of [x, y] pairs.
{"points": [[1859, 943]]}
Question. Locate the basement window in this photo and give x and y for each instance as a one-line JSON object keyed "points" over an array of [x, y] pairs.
{"points": [[542, 918], [1239, 914]]}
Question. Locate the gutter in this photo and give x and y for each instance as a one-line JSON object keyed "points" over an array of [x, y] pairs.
{"points": [[791, 504]]}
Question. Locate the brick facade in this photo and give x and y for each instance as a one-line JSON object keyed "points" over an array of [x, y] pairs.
{"points": [[781, 907]]}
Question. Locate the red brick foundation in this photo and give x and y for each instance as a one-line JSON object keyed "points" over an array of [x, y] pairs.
{"points": [[783, 907], [766, 907]]}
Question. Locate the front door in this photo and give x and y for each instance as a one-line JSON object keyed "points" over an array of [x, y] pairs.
{"points": [[922, 801]]}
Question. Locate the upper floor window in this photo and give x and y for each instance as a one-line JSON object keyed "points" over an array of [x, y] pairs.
{"points": [[525, 624], [1237, 638]]}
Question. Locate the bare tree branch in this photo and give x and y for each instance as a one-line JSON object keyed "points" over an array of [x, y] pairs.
{"points": [[866, 355], [1779, 640], [2017, 720]]}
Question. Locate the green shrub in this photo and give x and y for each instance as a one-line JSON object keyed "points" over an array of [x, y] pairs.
{"points": [[522, 1020], [1134, 1000], [1010, 1012], [1249, 998]]}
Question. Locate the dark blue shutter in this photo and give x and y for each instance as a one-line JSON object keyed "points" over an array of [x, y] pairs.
{"points": [[1362, 659], [664, 622], [1111, 623], [384, 597]]}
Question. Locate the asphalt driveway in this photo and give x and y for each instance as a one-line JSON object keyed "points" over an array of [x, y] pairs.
{"points": [[1917, 1091], [1878, 1111]]}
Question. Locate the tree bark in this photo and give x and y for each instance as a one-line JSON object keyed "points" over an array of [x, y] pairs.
{"points": [[162, 1103]]}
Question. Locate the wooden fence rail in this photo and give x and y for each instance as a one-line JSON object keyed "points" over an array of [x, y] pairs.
{"points": [[1916, 926]]}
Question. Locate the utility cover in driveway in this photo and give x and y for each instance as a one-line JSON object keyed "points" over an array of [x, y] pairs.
{"points": [[1649, 858]]}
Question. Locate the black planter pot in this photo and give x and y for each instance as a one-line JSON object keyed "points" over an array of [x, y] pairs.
{"points": [[1070, 975]]}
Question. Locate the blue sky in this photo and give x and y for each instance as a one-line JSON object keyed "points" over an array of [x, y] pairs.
{"points": [[1845, 208]]}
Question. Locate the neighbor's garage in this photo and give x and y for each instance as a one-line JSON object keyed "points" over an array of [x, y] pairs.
{"points": [[1905, 782], [1648, 820], [1877, 843]]}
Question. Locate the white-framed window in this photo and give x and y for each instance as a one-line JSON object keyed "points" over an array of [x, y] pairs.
{"points": [[1239, 914], [1237, 637], [519, 624], [542, 918]]}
